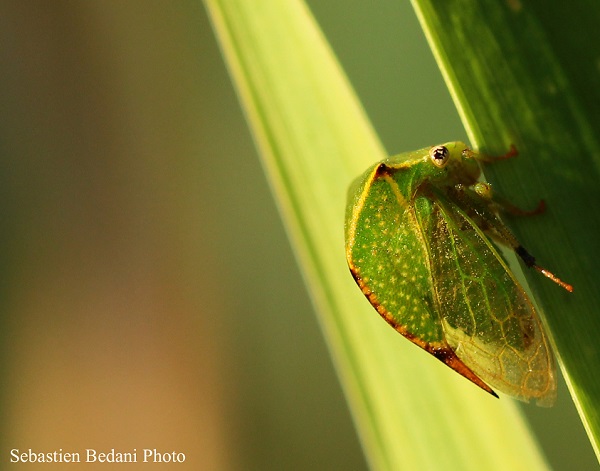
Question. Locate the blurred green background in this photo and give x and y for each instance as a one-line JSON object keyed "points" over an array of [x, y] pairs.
{"points": [[150, 297]]}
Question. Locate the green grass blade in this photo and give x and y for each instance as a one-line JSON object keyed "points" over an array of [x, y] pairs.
{"points": [[528, 73], [411, 411]]}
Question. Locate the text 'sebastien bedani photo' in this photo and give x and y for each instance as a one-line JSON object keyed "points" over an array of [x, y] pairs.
{"points": [[91, 455]]}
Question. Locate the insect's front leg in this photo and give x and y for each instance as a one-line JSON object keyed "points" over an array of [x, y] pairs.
{"points": [[512, 152]]}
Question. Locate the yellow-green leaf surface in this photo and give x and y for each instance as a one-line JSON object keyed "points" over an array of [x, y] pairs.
{"points": [[528, 73], [411, 411]]}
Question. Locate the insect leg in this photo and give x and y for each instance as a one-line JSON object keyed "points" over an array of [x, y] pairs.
{"points": [[500, 204], [512, 152], [482, 206]]}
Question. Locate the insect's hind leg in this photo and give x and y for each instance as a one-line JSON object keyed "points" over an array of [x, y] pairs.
{"points": [[482, 206]]}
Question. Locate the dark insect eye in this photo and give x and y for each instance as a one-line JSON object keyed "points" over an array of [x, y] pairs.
{"points": [[439, 155]]}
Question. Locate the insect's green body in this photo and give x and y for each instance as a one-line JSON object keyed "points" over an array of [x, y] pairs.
{"points": [[416, 245]]}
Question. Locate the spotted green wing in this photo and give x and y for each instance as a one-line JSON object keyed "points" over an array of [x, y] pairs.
{"points": [[487, 318], [388, 256]]}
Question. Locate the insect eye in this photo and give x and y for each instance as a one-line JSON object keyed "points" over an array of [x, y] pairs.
{"points": [[439, 155]]}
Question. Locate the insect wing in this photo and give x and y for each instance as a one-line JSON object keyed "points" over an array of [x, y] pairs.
{"points": [[487, 318], [388, 256]]}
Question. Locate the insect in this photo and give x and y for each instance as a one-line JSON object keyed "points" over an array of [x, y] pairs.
{"points": [[418, 243]]}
